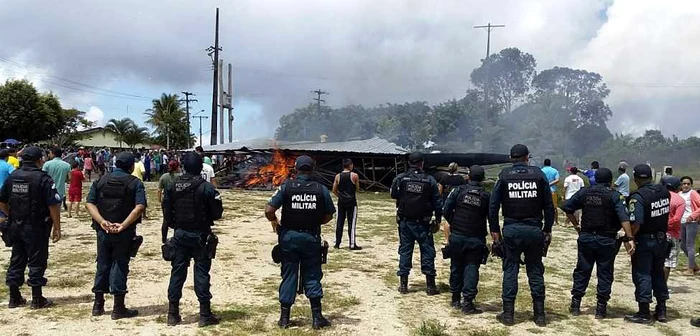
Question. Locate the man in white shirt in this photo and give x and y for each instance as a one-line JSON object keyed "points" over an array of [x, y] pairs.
{"points": [[208, 172], [572, 184]]}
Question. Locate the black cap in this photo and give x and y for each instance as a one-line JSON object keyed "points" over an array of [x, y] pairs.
{"points": [[672, 182], [603, 176], [415, 157], [476, 173], [519, 151], [125, 160], [304, 163], [193, 163], [32, 153], [642, 171]]}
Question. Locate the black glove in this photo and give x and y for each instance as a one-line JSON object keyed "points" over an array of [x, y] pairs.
{"points": [[435, 226]]}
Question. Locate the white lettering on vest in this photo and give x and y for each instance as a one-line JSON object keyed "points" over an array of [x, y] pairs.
{"points": [[660, 207], [523, 194], [303, 198], [20, 188], [522, 189], [304, 202]]}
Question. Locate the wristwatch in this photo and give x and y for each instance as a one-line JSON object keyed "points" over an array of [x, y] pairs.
{"points": [[626, 239]]}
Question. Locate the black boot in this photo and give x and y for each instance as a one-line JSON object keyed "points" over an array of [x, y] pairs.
{"points": [[174, 317], [16, 299], [206, 317], [456, 300], [431, 288], [538, 313], [601, 310], [695, 322], [119, 310], [575, 308], [316, 314], [643, 316], [403, 284], [506, 317], [38, 299], [660, 313], [284, 321], [98, 307], [469, 308]]}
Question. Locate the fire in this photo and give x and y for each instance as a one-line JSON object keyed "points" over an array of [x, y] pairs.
{"points": [[274, 173]]}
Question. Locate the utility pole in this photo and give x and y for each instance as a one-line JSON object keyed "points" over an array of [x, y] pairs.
{"points": [[221, 101], [319, 100], [200, 126], [187, 101], [487, 124], [214, 53], [229, 103]]}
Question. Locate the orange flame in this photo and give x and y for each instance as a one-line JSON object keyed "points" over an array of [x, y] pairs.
{"points": [[276, 172]]}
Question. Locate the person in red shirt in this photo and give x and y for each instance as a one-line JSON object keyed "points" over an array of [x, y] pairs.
{"points": [[75, 189], [673, 234]]}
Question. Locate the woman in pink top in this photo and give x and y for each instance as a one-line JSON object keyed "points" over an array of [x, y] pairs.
{"points": [[88, 165], [689, 222], [674, 224]]}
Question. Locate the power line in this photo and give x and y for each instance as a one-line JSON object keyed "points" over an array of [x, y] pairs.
{"points": [[187, 101]]}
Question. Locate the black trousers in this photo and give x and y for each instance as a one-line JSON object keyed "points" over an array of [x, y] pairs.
{"points": [[113, 257], [190, 245], [349, 212], [595, 250], [30, 248]]}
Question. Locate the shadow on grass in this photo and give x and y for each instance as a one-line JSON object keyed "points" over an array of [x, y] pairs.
{"points": [[74, 299], [152, 310]]}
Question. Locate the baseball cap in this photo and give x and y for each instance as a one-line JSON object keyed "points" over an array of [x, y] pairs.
{"points": [[603, 175], [415, 157], [672, 182], [477, 173], [642, 171], [519, 151], [32, 153], [173, 165], [125, 160], [304, 163], [207, 160]]}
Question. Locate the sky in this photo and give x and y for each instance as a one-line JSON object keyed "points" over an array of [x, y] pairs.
{"points": [[110, 58]]}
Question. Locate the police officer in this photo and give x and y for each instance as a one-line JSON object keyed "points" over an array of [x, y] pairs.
{"points": [[466, 210], [115, 202], [526, 197], [604, 213], [306, 205], [32, 202], [648, 209], [190, 206], [417, 197]]}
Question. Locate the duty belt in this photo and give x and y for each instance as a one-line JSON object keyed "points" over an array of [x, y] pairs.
{"points": [[309, 231], [658, 235], [601, 233]]}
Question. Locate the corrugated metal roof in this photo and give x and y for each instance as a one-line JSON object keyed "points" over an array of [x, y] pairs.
{"points": [[370, 146]]}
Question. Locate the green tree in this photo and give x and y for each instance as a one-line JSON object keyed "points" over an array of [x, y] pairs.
{"points": [[406, 124], [121, 128], [73, 120], [27, 115], [506, 76], [136, 135], [169, 119]]}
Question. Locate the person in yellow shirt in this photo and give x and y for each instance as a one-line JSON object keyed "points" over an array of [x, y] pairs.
{"points": [[139, 168], [12, 157]]}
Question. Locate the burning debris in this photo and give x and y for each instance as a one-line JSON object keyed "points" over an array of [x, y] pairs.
{"points": [[273, 171]]}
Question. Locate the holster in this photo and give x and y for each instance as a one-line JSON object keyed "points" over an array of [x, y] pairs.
{"points": [[168, 250], [8, 233], [434, 226], [669, 247], [211, 244], [277, 254], [499, 249], [135, 245], [446, 252], [324, 252], [547, 240], [485, 255]]}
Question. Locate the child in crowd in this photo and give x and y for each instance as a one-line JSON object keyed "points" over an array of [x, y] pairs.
{"points": [[75, 190]]}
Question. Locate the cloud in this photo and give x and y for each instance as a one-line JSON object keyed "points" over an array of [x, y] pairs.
{"points": [[95, 115], [361, 51]]}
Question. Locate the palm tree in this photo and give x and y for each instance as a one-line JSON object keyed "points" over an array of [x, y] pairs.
{"points": [[121, 128], [165, 114], [136, 135]]}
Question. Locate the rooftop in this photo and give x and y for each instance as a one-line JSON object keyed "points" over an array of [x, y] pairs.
{"points": [[368, 146]]}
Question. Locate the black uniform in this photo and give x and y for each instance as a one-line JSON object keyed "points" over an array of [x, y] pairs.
{"points": [[190, 206], [603, 211], [466, 209], [347, 208], [449, 182], [527, 200], [29, 192]]}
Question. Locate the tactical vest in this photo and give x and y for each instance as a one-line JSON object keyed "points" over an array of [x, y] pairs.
{"points": [[303, 207], [190, 213], [415, 198], [521, 192], [656, 200], [470, 212], [116, 198], [598, 214], [26, 197]]}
